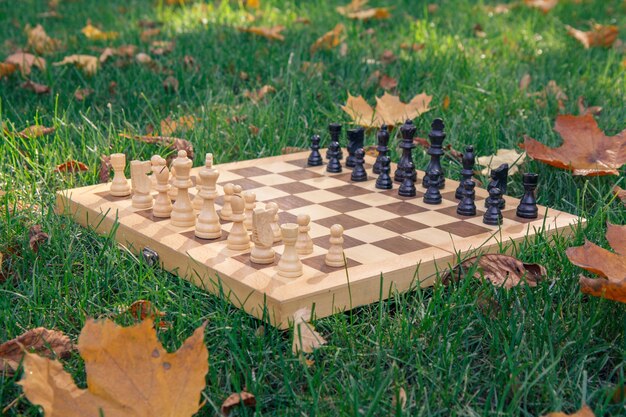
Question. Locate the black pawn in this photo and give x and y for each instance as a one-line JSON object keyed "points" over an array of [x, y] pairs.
{"points": [[333, 162], [356, 140], [335, 132], [358, 172], [469, 159], [383, 141], [466, 206], [527, 208], [432, 195], [315, 159], [406, 165], [436, 136], [384, 182], [493, 215], [407, 188]]}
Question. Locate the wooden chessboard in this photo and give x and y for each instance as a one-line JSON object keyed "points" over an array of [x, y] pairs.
{"points": [[390, 241]]}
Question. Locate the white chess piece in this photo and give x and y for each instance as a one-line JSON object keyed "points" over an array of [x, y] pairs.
{"points": [[142, 199], [250, 199], [226, 212], [289, 265], [334, 257], [238, 238], [173, 192], [119, 186], [208, 225], [182, 212], [262, 237], [154, 164], [304, 244], [208, 165], [275, 227], [162, 204]]}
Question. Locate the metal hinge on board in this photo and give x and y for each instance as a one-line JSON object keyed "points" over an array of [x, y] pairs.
{"points": [[150, 256]]}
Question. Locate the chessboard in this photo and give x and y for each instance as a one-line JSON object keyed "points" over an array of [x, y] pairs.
{"points": [[391, 243]]}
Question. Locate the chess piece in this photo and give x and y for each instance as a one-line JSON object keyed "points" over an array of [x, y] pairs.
{"points": [[334, 258], [173, 192], [469, 159], [383, 141], [304, 244], [407, 188], [182, 210], [250, 200], [432, 195], [335, 132], [289, 265], [142, 199], [197, 202], [493, 215], [436, 136], [154, 165], [208, 225], [226, 212], [499, 179], [315, 159], [406, 165], [358, 172], [273, 207], [119, 186], [334, 165], [527, 208], [262, 237], [466, 206], [384, 181], [238, 238], [356, 140], [162, 204]]}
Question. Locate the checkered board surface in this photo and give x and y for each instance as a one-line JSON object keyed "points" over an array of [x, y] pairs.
{"points": [[389, 240]]}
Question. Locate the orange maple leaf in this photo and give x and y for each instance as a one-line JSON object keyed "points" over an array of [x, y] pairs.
{"points": [[272, 33], [389, 109], [601, 35], [330, 39]]}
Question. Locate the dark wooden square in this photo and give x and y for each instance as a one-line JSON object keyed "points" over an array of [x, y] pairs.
{"points": [[294, 187], [400, 245], [401, 225], [301, 174], [148, 215], [317, 262], [285, 217], [289, 202], [343, 176], [348, 242], [402, 208], [344, 205], [450, 196], [302, 163], [347, 221], [246, 183], [394, 193], [464, 229], [244, 258], [349, 190]]}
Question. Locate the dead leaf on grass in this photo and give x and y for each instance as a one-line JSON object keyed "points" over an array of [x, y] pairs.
{"points": [[583, 109], [415, 47], [169, 126], [35, 87], [25, 61], [259, 94], [305, 338], [585, 411], [611, 266], [446, 103], [356, 10], [170, 84], [353, 6], [387, 57], [71, 167], [389, 109], [399, 399], [600, 35], [35, 131], [87, 63], [544, 5], [123, 364], [39, 41], [49, 343], [7, 69], [273, 33], [143, 58], [82, 93], [330, 39], [502, 156], [149, 33], [236, 399], [387, 83], [161, 47], [93, 33], [620, 193], [586, 150], [175, 144], [291, 149], [36, 236], [524, 82]]}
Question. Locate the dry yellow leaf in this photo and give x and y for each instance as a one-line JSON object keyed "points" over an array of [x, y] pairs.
{"points": [[600, 35], [129, 374], [7, 69], [39, 41], [51, 343], [149, 33], [305, 338], [354, 6], [585, 411], [35, 131], [389, 109], [87, 63], [95, 34], [259, 94], [502, 156], [329, 40], [25, 61], [377, 13], [169, 126], [272, 33], [543, 5]]}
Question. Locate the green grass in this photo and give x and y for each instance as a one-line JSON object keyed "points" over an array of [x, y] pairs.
{"points": [[531, 351]]}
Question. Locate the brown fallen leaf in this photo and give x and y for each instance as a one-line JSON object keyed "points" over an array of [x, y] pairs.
{"points": [[524, 82], [378, 13], [387, 83], [236, 399], [161, 47], [302, 20], [543, 5], [583, 109], [553, 88], [586, 150], [330, 39], [170, 84], [39, 41], [585, 411], [399, 399], [146, 34], [387, 57], [35, 131], [291, 149], [104, 173], [82, 93], [611, 266], [600, 35], [25, 61], [478, 31], [112, 88], [305, 338], [129, 373], [389, 109], [7, 69], [93, 33], [49, 343], [620, 193], [36, 236], [273, 33], [353, 6], [169, 126], [87, 63], [501, 270], [254, 130], [259, 94], [71, 166], [415, 47], [143, 58], [446, 103], [35, 87], [502, 156], [175, 144]]}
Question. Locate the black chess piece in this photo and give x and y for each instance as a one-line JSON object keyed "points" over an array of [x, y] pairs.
{"points": [[334, 165], [315, 158], [469, 159], [499, 179], [358, 172], [493, 215], [406, 165], [356, 140], [384, 182], [383, 141], [527, 208], [436, 136], [432, 195], [335, 132], [466, 206], [407, 188]]}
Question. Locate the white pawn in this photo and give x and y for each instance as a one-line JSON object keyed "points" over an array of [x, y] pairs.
{"points": [[275, 227], [142, 199], [262, 237], [182, 212], [227, 211], [304, 244], [162, 203], [208, 165], [289, 265], [334, 257], [155, 164], [173, 192], [238, 238], [208, 225], [119, 186], [250, 199]]}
